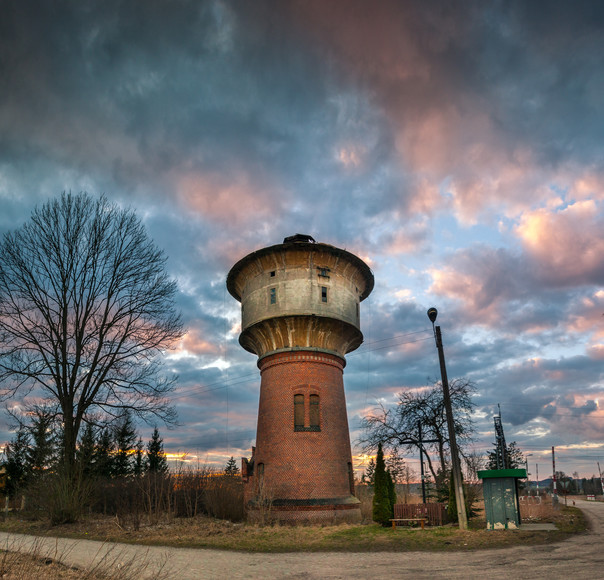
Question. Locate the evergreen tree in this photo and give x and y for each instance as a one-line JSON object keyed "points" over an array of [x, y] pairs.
{"points": [[514, 457], [103, 455], [124, 436], [395, 464], [382, 508], [16, 465], [41, 453], [139, 459], [369, 475], [231, 467], [391, 492], [85, 454], [156, 458]]}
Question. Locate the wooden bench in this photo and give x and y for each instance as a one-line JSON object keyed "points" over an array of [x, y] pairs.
{"points": [[422, 521]]}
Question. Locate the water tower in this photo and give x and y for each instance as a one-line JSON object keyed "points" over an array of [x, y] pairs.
{"points": [[300, 315]]}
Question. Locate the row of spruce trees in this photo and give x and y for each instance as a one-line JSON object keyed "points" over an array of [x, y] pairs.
{"points": [[112, 451]]}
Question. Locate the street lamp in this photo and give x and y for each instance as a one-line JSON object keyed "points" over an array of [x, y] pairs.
{"points": [[457, 477]]}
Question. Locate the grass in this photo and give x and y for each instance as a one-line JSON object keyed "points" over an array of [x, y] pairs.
{"points": [[23, 561], [203, 532], [26, 566]]}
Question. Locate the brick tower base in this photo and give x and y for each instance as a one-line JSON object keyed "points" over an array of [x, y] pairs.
{"points": [[301, 469]]}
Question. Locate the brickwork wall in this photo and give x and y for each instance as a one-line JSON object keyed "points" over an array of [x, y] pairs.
{"points": [[302, 465]]}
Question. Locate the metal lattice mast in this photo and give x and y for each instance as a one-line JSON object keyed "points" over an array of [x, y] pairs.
{"points": [[502, 462]]}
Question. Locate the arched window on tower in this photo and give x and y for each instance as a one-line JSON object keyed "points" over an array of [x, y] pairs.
{"points": [[314, 414], [298, 412]]}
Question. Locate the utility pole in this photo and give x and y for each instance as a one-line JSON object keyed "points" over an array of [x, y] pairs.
{"points": [[457, 477], [601, 481], [537, 466], [526, 464], [555, 490]]}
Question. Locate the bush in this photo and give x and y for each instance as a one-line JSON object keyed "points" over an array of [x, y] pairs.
{"points": [[135, 500], [64, 499], [364, 494], [224, 498]]}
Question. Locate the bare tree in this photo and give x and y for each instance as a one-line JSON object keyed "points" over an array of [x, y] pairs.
{"points": [[86, 311], [398, 426]]}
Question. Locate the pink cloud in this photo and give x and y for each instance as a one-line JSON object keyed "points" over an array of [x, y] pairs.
{"points": [[566, 245], [589, 185], [596, 352], [407, 241], [469, 290], [193, 342], [232, 199], [588, 315], [480, 280], [449, 136]]}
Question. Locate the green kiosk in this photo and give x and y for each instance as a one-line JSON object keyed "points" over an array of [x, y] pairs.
{"points": [[500, 488]]}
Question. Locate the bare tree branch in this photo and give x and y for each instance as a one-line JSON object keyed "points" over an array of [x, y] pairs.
{"points": [[86, 312], [398, 426]]}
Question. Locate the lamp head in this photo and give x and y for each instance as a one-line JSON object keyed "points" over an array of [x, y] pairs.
{"points": [[432, 314]]}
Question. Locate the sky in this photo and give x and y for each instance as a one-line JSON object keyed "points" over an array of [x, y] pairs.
{"points": [[456, 147]]}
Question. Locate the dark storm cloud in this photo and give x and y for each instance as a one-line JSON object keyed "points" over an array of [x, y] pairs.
{"points": [[538, 388], [543, 67], [145, 100]]}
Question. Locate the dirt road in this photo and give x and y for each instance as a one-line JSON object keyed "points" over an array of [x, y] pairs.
{"points": [[580, 557]]}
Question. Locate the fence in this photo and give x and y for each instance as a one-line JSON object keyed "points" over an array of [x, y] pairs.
{"points": [[435, 513]]}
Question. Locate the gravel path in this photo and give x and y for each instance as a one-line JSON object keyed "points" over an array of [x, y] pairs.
{"points": [[580, 557]]}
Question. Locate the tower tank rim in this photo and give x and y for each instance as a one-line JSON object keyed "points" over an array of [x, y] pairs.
{"points": [[311, 246]]}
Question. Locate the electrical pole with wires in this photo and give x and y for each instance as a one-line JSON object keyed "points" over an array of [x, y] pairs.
{"points": [[456, 467]]}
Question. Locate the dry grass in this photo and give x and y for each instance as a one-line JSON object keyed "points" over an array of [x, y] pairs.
{"points": [[27, 566], [23, 559], [531, 510], [204, 532], [16, 565]]}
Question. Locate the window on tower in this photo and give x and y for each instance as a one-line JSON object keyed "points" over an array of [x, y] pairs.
{"points": [[323, 293], [307, 415], [273, 295], [298, 412]]}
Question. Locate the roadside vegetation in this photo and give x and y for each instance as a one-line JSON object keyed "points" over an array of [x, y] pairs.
{"points": [[132, 497], [24, 562], [203, 531]]}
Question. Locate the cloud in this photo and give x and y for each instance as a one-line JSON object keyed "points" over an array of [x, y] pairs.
{"points": [[567, 246], [483, 280], [455, 147], [233, 201]]}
